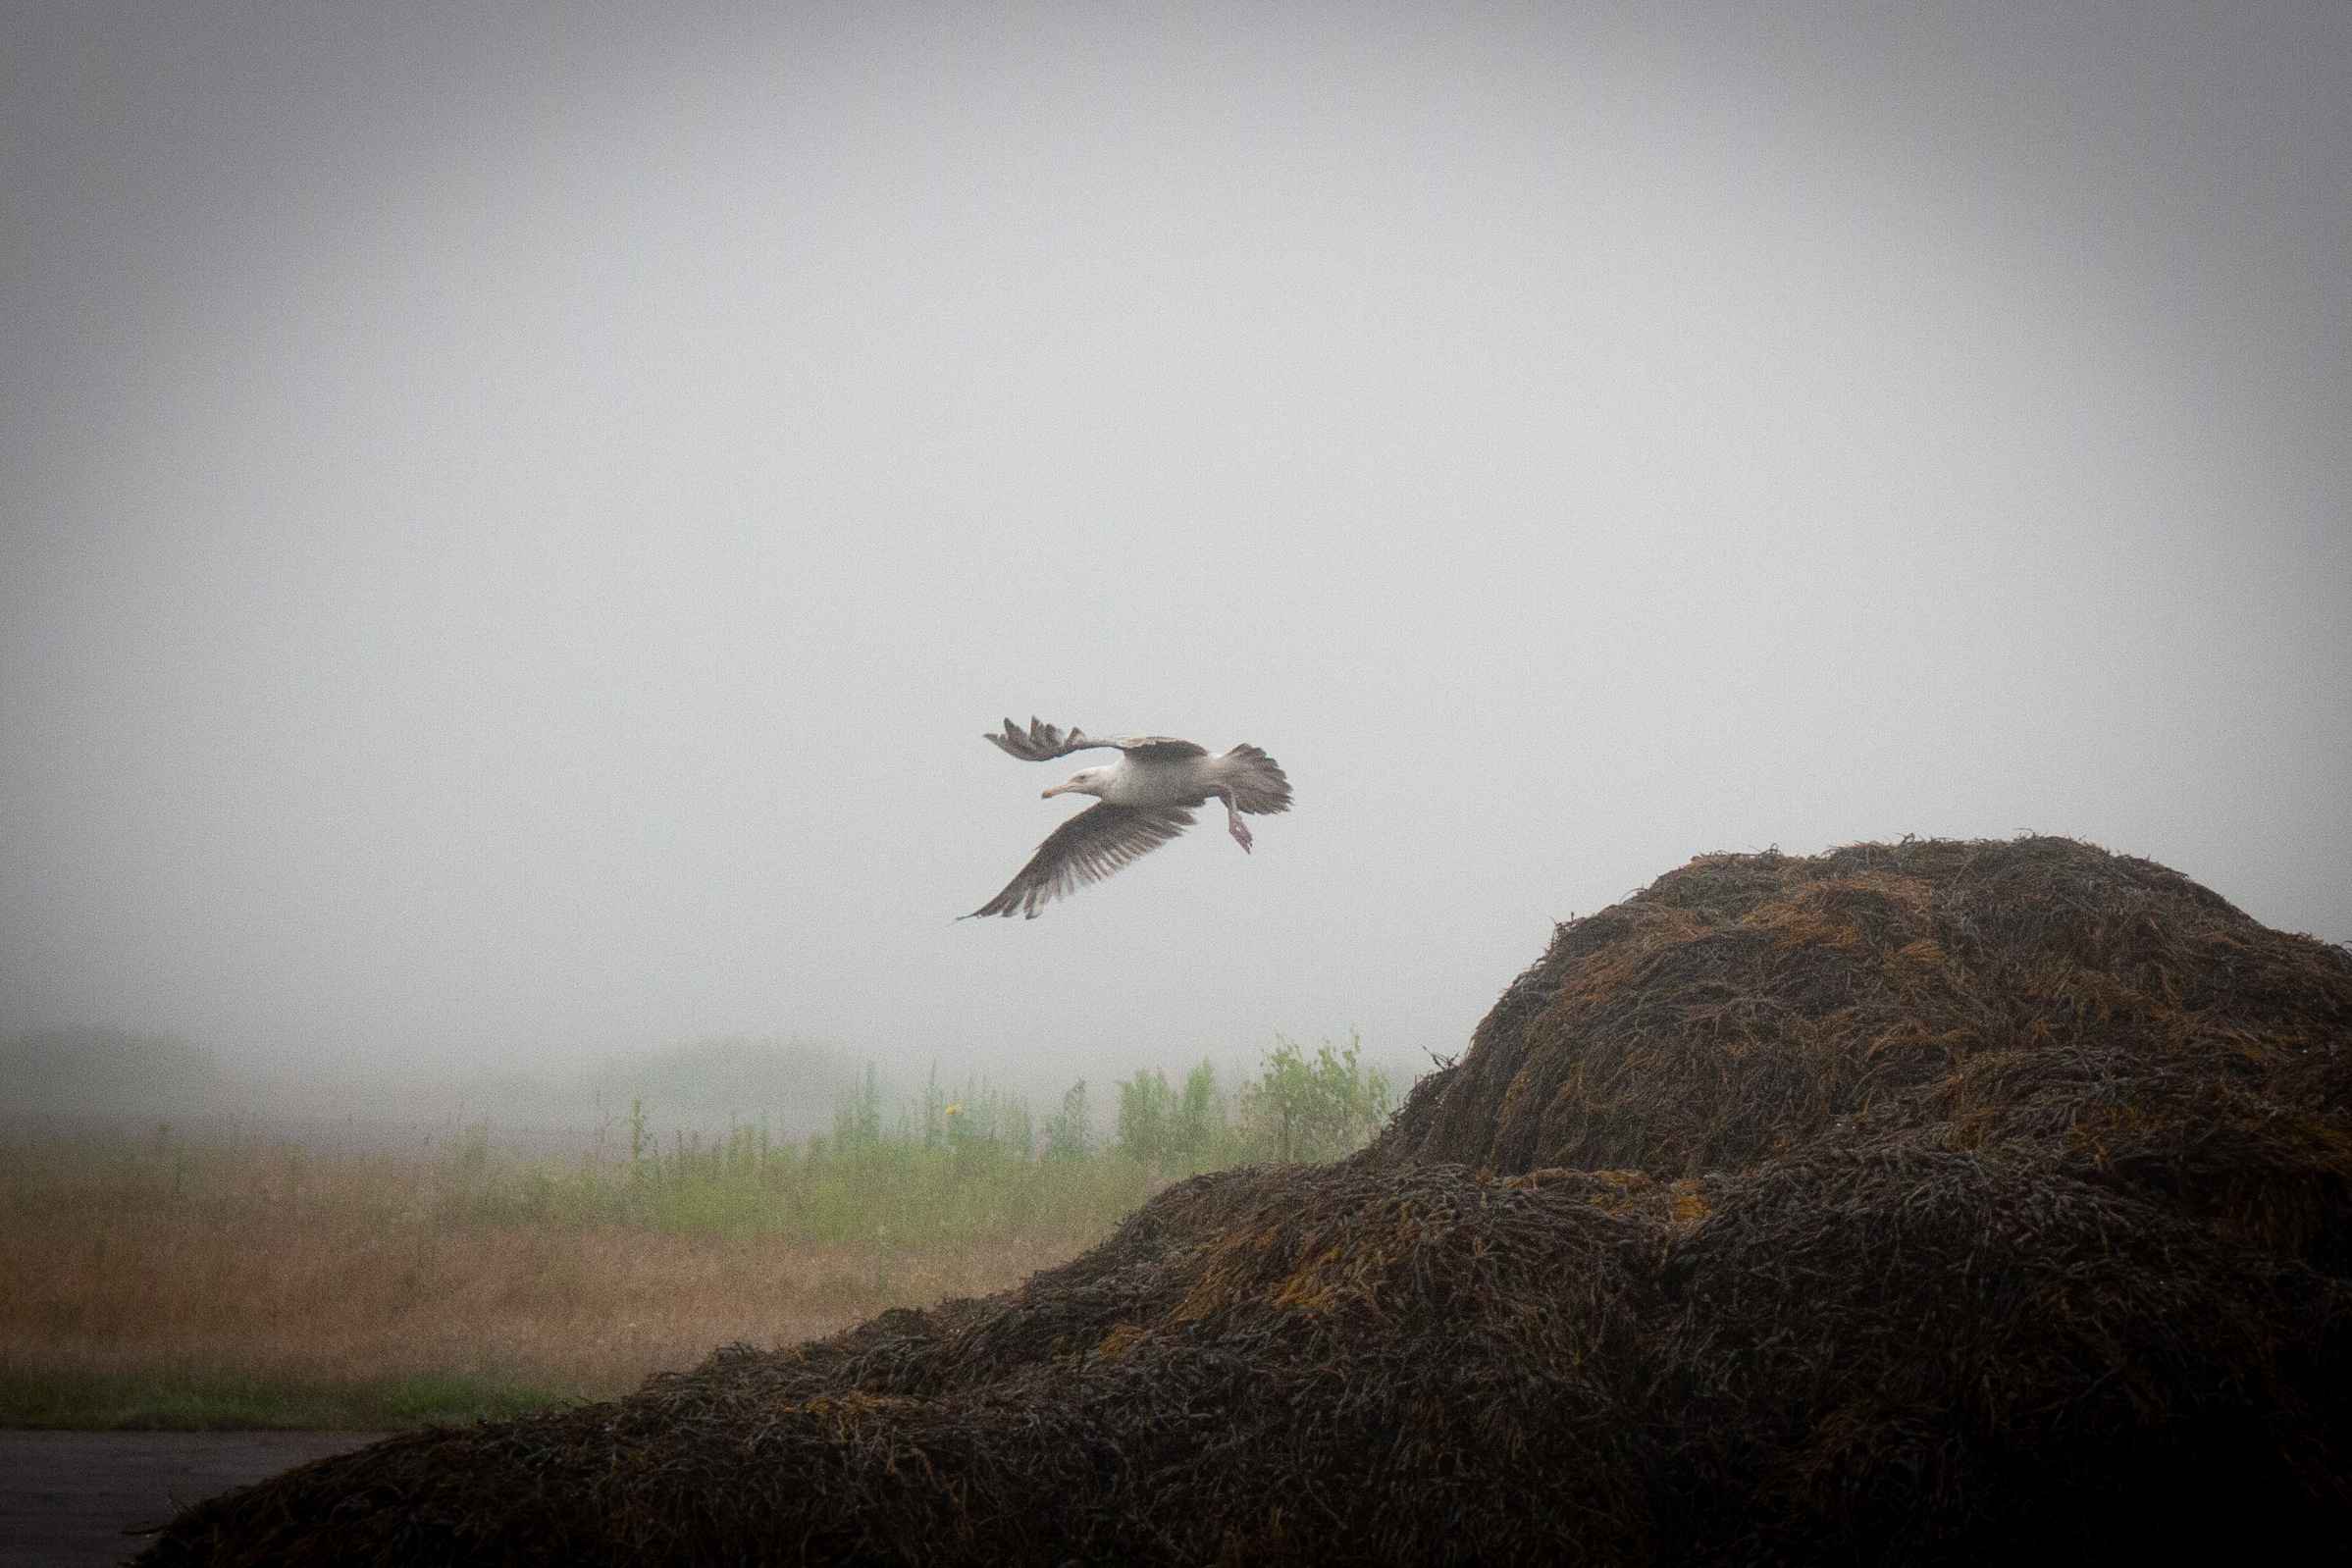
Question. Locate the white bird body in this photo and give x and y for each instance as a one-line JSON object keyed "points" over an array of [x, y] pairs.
{"points": [[1145, 798], [1173, 781]]}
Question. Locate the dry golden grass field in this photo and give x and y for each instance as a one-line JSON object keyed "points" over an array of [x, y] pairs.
{"points": [[157, 1280], [153, 1283]]}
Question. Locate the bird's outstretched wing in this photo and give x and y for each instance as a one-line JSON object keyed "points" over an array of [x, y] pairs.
{"points": [[1087, 848], [1042, 741]]}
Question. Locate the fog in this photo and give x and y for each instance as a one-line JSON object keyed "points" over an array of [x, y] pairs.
{"points": [[516, 518]]}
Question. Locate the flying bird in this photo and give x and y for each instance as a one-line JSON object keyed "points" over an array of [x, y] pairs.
{"points": [[1142, 801]]}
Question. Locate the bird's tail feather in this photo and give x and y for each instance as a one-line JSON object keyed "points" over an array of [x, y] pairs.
{"points": [[1257, 782]]}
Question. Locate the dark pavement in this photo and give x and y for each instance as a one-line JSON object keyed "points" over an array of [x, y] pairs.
{"points": [[66, 1497]]}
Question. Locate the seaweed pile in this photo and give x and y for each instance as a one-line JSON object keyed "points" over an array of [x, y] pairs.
{"points": [[1921, 1202]]}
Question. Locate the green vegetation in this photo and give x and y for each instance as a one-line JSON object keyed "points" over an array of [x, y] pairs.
{"points": [[163, 1401], [1296, 1110], [965, 1165]]}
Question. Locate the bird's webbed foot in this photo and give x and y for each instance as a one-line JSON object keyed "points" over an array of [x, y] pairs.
{"points": [[1233, 819]]}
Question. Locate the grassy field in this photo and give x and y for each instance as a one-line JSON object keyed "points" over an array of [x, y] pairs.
{"points": [[155, 1282]]}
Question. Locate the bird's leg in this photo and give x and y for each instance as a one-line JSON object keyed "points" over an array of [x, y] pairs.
{"points": [[1233, 823]]}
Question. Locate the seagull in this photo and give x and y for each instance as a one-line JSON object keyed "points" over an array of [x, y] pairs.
{"points": [[1143, 801]]}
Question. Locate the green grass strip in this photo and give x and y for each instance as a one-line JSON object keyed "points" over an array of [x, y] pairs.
{"points": [[82, 1401]]}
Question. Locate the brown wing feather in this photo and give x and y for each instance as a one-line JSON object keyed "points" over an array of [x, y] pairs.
{"points": [[1155, 747], [1087, 848]]}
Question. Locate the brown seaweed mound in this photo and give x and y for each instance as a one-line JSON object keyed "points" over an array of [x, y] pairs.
{"points": [[1916, 1203]]}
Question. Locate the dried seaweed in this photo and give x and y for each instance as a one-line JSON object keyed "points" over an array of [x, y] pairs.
{"points": [[1927, 1202]]}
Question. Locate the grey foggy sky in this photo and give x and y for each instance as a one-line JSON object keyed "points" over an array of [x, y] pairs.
{"points": [[515, 517]]}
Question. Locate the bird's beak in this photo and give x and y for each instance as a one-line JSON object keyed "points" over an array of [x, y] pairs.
{"points": [[1056, 790]]}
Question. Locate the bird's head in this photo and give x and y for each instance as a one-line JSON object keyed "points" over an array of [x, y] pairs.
{"points": [[1086, 781]]}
